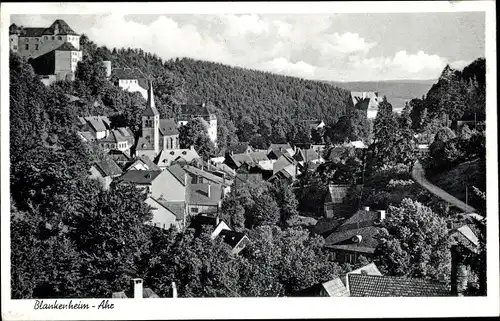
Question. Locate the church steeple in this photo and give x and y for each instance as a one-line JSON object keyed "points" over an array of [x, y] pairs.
{"points": [[150, 107]]}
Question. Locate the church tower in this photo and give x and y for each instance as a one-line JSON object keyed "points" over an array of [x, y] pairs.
{"points": [[151, 122]]}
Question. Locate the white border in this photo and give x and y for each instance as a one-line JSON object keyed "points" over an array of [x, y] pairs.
{"points": [[238, 308]]}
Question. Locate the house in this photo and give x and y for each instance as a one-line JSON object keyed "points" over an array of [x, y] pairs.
{"points": [[164, 184], [356, 236], [276, 150], [334, 196], [130, 79], [120, 158], [236, 240], [97, 126], [283, 175], [105, 171], [169, 134], [167, 158], [191, 111], [366, 101], [307, 155], [136, 291], [199, 176], [167, 214], [53, 51], [203, 198], [260, 159], [367, 281], [315, 124], [142, 163], [239, 148], [287, 163], [121, 139]]}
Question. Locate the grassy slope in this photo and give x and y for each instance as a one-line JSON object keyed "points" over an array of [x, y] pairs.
{"points": [[472, 173]]}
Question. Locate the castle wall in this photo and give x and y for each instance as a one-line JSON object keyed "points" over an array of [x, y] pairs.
{"points": [[32, 47]]}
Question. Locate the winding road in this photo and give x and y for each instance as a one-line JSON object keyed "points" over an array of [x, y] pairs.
{"points": [[418, 174]]}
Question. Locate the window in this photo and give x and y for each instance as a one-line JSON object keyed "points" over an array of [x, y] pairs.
{"points": [[15, 47], [36, 47], [59, 38], [45, 37], [163, 225], [11, 39], [26, 40], [27, 47], [53, 37], [37, 40], [194, 210]]}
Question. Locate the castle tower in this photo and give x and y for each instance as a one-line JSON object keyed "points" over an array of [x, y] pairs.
{"points": [[151, 121]]}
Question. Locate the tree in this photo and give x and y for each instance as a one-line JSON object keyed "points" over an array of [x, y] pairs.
{"points": [[195, 133], [91, 73], [386, 134], [413, 242], [286, 201], [263, 211]]}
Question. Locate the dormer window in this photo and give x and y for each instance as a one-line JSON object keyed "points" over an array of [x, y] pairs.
{"points": [[59, 38], [45, 37]]}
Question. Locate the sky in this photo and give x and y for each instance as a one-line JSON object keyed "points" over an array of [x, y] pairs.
{"points": [[334, 47]]}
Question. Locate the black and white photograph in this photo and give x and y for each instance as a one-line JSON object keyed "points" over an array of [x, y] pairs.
{"points": [[157, 155]]}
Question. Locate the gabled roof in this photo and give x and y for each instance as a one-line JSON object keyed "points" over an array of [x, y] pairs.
{"points": [[128, 74], [335, 288], [140, 177], [87, 136], [239, 148], [118, 155], [145, 144], [177, 208], [98, 123], [209, 176], [363, 224], [389, 286], [178, 173], [303, 154], [167, 156], [67, 46], [194, 110], [146, 161], [168, 127], [231, 237], [108, 168], [337, 193], [61, 27], [197, 194], [279, 149]]}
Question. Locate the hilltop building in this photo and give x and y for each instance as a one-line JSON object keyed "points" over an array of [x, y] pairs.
{"points": [[366, 101], [53, 51], [129, 79], [190, 111]]}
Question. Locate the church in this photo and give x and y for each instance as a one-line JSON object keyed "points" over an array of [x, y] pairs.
{"points": [[163, 134]]}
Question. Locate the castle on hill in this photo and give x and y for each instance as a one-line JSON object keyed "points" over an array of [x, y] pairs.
{"points": [[53, 51]]}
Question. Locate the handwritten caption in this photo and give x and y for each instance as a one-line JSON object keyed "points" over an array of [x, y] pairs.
{"points": [[71, 305]]}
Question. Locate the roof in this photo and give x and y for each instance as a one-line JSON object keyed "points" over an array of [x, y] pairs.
{"points": [[238, 148], [67, 46], [231, 237], [146, 161], [140, 177], [108, 168], [303, 154], [31, 32], [388, 286], [150, 106], [167, 156], [87, 136], [194, 110], [128, 73], [197, 194], [98, 123], [363, 224], [144, 143], [335, 288], [177, 208], [115, 136], [336, 152], [337, 193], [279, 149], [118, 155], [59, 27], [168, 127], [178, 172], [365, 100], [198, 172]]}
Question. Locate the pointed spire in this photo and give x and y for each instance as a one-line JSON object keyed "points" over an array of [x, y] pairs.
{"points": [[150, 106]]}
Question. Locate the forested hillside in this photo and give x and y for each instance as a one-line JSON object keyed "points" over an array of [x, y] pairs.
{"points": [[256, 106]]}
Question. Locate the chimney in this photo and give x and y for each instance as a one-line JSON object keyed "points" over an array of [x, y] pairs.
{"points": [[137, 288], [208, 190], [191, 147], [185, 179], [381, 215], [367, 208], [459, 273], [174, 290]]}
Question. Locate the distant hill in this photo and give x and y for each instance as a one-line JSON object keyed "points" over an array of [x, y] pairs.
{"points": [[397, 91]]}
